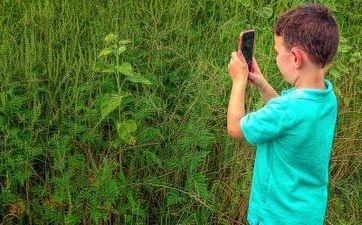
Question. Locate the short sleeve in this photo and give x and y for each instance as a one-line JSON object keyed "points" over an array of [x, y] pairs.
{"points": [[267, 123]]}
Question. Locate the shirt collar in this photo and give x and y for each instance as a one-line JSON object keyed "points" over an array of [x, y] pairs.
{"points": [[309, 92]]}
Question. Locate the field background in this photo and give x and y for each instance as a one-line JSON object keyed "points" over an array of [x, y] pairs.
{"points": [[98, 130]]}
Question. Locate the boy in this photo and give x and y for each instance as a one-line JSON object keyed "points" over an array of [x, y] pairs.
{"points": [[293, 132]]}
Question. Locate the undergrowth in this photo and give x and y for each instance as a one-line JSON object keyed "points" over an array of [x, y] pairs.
{"points": [[114, 112]]}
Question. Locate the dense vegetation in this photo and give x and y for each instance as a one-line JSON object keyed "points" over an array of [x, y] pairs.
{"points": [[114, 112]]}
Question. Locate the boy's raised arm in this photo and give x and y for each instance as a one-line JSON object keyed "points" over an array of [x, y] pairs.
{"points": [[238, 70], [257, 79], [236, 109], [266, 91]]}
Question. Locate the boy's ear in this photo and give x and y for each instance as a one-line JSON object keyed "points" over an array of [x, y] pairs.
{"points": [[298, 57]]}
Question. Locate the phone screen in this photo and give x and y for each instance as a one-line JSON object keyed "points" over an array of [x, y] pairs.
{"points": [[247, 46]]}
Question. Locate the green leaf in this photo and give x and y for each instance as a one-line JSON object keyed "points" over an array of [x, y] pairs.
{"points": [[136, 78], [106, 52], [245, 3], [125, 69], [109, 103], [127, 126], [121, 49], [131, 125], [123, 42], [335, 73], [103, 67], [265, 12], [343, 46], [110, 38], [355, 57], [125, 129], [343, 40]]}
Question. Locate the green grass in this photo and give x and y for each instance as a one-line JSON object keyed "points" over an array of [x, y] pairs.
{"points": [[66, 155]]}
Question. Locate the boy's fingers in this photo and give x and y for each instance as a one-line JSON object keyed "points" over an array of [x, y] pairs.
{"points": [[238, 56], [255, 65], [241, 56], [232, 58], [254, 62], [233, 54]]}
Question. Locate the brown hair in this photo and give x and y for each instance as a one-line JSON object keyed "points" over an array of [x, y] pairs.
{"points": [[312, 28]]}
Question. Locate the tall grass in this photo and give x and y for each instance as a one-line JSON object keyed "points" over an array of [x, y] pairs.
{"points": [[63, 161]]}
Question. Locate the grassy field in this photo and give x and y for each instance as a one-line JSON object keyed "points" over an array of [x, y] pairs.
{"points": [[114, 112]]}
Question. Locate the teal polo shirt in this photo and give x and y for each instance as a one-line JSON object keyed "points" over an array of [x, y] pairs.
{"points": [[294, 135]]}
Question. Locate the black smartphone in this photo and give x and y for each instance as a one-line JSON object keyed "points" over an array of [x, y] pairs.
{"points": [[246, 45]]}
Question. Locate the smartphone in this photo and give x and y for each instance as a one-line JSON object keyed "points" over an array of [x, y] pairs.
{"points": [[246, 45]]}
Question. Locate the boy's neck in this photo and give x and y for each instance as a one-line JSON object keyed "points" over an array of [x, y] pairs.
{"points": [[312, 80]]}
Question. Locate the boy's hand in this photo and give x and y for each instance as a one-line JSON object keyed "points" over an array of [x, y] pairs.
{"points": [[238, 68], [256, 78]]}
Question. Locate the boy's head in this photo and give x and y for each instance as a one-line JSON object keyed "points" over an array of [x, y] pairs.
{"points": [[305, 38]]}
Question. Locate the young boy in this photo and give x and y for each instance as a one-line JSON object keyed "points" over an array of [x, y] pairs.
{"points": [[293, 132]]}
